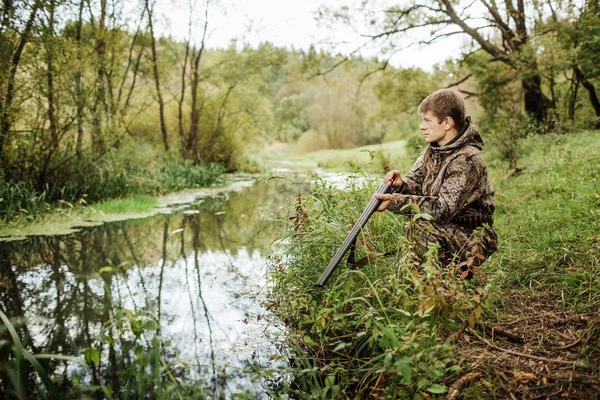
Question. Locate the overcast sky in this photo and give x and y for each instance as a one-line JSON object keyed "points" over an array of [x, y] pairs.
{"points": [[285, 23]]}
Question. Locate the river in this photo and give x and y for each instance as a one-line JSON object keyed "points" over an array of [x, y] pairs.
{"points": [[191, 277]]}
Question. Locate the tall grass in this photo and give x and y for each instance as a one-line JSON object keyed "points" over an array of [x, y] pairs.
{"points": [[142, 369], [131, 171], [549, 217], [377, 331], [383, 330], [16, 368]]}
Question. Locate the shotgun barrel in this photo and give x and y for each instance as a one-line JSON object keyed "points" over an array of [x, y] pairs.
{"points": [[335, 261]]}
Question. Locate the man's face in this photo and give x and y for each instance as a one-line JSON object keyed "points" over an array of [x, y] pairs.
{"points": [[435, 131]]}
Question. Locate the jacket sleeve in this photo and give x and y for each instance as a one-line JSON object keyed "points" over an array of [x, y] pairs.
{"points": [[413, 180], [459, 189]]}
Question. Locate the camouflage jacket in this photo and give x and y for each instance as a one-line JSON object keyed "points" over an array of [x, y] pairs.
{"points": [[449, 182]]}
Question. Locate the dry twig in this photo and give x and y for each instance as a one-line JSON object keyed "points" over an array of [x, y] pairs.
{"points": [[460, 382], [531, 356], [506, 334]]}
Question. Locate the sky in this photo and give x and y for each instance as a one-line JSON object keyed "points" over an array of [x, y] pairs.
{"points": [[285, 23]]}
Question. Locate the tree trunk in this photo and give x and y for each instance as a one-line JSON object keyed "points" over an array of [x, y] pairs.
{"points": [[589, 86], [192, 137], [183, 85], [50, 94], [535, 101], [78, 84], [100, 98], [8, 87], [124, 107], [161, 103]]}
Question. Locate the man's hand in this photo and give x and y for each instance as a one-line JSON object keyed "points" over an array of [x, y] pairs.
{"points": [[387, 200], [394, 178]]}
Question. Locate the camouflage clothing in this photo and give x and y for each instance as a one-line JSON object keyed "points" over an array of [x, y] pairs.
{"points": [[450, 183]]}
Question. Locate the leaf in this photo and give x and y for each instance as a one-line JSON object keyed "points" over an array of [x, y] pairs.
{"points": [[424, 216], [150, 325], [422, 383], [92, 356], [471, 320], [309, 341], [387, 361], [405, 370], [105, 269], [341, 346], [437, 389], [413, 208]]}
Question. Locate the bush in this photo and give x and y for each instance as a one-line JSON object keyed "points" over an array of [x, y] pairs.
{"points": [[379, 330]]}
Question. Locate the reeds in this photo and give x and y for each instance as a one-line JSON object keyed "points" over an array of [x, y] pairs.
{"points": [[116, 176], [17, 368]]}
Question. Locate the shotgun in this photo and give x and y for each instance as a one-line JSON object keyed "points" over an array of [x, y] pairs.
{"points": [[351, 238]]}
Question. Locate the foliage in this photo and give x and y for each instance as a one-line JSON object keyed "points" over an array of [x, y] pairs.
{"points": [[127, 171], [377, 331], [383, 330], [145, 370], [537, 53]]}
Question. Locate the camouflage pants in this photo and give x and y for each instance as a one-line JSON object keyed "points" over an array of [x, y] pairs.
{"points": [[456, 243]]}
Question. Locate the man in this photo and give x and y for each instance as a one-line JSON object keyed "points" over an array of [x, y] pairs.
{"points": [[449, 182]]}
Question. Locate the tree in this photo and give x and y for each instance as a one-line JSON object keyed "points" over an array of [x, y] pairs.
{"points": [[503, 31], [15, 32], [584, 35], [161, 103]]}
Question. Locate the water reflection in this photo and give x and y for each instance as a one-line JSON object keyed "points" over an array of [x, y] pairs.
{"points": [[199, 273]]}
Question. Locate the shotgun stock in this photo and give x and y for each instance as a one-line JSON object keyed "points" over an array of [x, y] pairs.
{"points": [[335, 261]]}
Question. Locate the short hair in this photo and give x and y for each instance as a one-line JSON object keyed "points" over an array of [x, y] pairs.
{"points": [[445, 103]]}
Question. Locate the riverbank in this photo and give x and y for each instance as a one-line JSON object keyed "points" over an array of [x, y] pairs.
{"points": [[527, 326], [146, 193], [70, 219], [286, 156], [134, 170]]}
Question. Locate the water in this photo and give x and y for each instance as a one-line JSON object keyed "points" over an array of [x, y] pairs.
{"points": [[198, 272]]}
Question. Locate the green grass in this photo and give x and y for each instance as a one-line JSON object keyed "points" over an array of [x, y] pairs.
{"points": [[383, 330], [548, 215], [371, 157], [135, 204]]}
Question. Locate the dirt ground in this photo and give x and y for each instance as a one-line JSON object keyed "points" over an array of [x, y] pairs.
{"points": [[538, 349]]}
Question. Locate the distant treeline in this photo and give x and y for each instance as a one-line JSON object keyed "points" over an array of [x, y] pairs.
{"points": [[83, 81]]}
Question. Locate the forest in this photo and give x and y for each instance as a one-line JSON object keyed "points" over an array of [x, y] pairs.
{"points": [[95, 105], [99, 103]]}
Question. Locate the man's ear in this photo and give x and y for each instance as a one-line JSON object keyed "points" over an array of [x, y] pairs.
{"points": [[448, 123]]}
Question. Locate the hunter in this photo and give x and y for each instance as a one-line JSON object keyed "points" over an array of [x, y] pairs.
{"points": [[449, 181]]}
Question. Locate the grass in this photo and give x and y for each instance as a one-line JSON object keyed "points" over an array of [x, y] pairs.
{"points": [[127, 205], [120, 174], [145, 368], [370, 157], [388, 331]]}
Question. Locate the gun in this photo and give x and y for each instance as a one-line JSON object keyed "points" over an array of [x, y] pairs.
{"points": [[351, 238]]}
